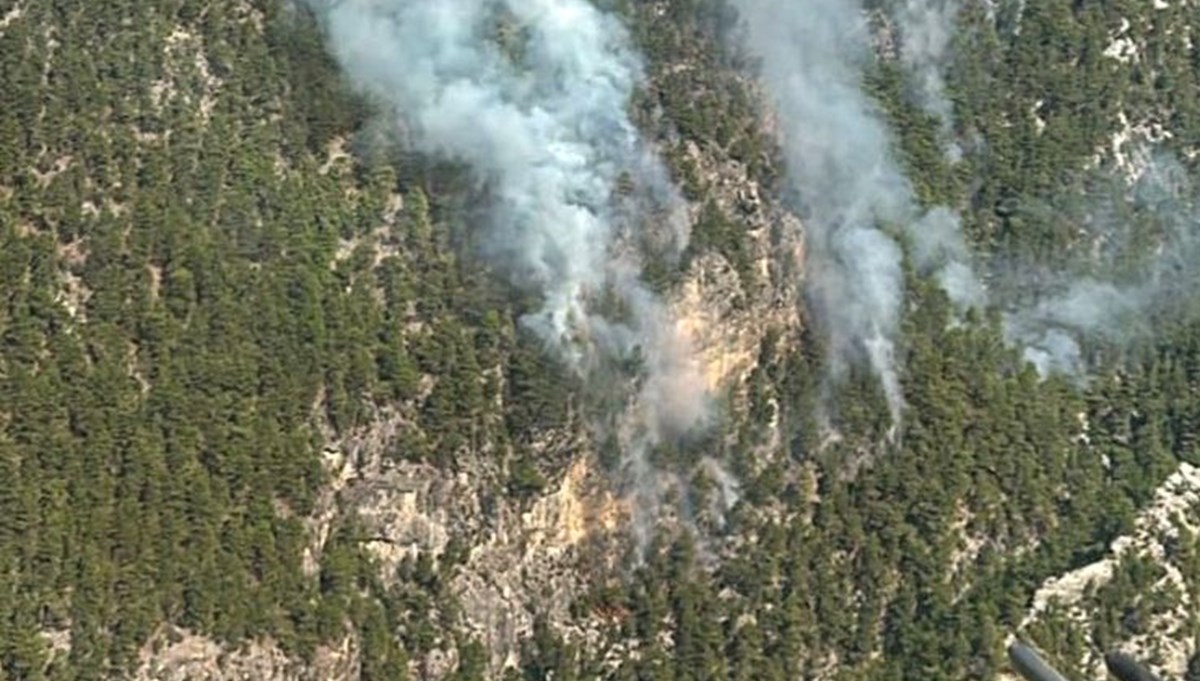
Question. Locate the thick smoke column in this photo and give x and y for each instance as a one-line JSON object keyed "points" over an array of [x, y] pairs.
{"points": [[530, 96], [836, 148], [813, 53], [541, 125]]}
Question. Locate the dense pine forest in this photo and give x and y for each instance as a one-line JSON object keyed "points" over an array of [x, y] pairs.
{"points": [[221, 270]]}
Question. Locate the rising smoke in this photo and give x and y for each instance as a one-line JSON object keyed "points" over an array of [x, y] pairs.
{"points": [[838, 151], [1050, 328], [541, 125], [1111, 307], [530, 96], [812, 57], [939, 248], [926, 30], [1068, 309]]}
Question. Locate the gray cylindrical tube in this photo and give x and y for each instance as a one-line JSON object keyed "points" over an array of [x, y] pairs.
{"points": [[1126, 668], [1031, 665]]}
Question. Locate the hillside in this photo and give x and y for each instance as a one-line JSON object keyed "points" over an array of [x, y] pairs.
{"points": [[289, 389]]}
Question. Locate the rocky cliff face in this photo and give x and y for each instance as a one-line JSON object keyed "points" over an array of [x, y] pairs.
{"points": [[1161, 604], [504, 561], [524, 560], [727, 318], [179, 655]]}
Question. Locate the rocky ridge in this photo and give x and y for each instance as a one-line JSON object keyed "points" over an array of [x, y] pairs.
{"points": [[1171, 521]]}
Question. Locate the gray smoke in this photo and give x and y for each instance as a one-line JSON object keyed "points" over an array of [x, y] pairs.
{"points": [[1050, 330], [926, 34], [940, 248], [838, 151], [728, 488], [812, 56], [530, 96], [1070, 311]]}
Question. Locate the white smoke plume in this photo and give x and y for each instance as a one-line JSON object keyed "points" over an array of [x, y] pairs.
{"points": [[1073, 310], [812, 55], [544, 130], [926, 33], [530, 96], [837, 152], [729, 489]]}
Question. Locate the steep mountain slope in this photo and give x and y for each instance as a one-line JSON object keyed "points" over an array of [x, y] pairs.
{"points": [[251, 392], [265, 411]]}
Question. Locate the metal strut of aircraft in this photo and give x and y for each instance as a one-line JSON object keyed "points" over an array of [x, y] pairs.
{"points": [[1033, 668]]}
